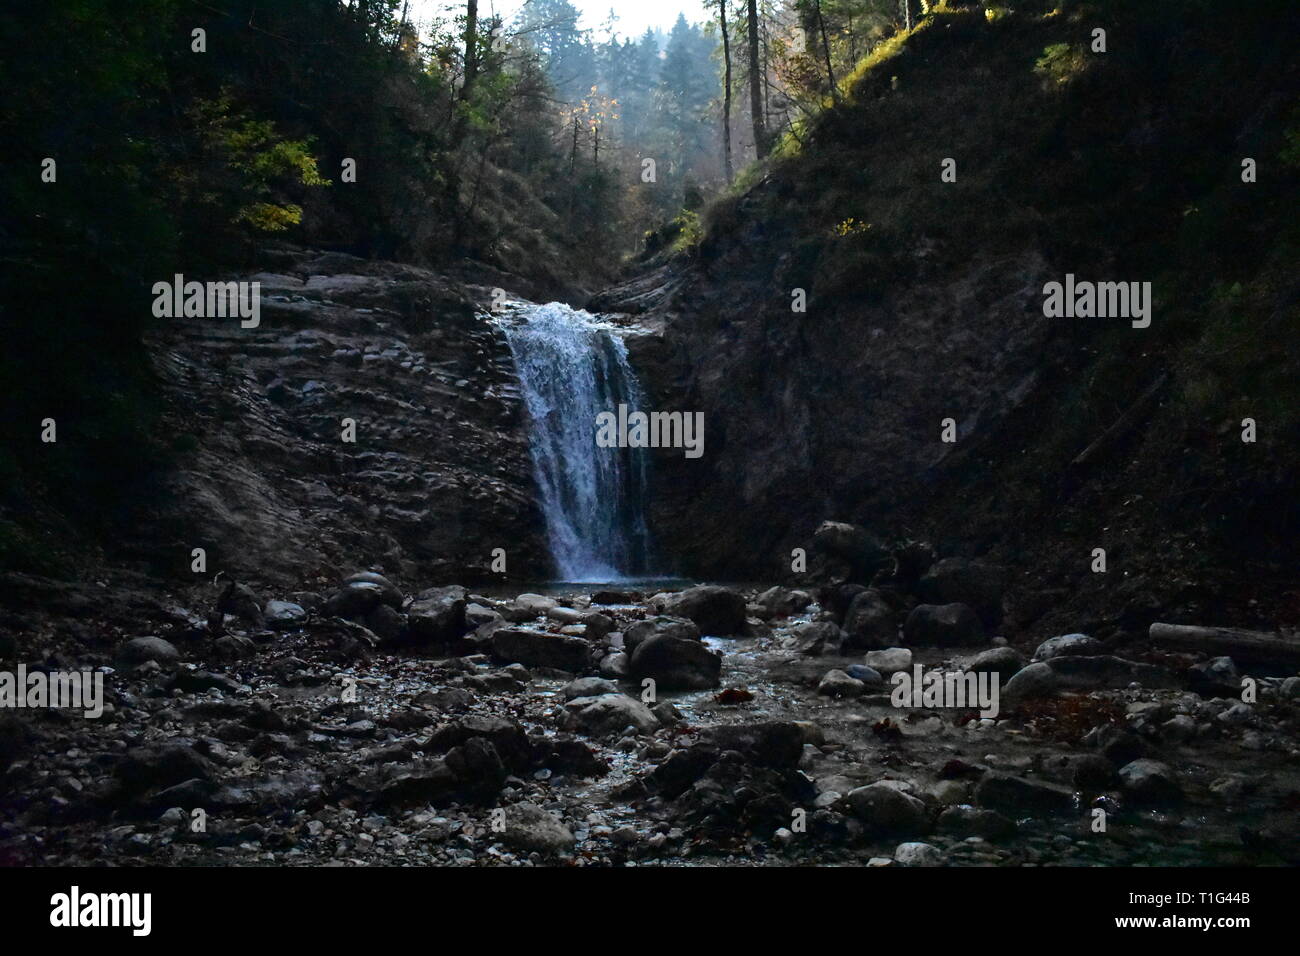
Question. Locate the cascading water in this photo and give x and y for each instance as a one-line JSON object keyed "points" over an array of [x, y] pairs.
{"points": [[572, 367]]}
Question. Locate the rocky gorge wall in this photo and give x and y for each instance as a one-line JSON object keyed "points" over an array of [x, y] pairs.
{"points": [[438, 474]]}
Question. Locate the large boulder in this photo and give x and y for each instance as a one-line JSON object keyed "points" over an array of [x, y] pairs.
{"points": [[676, 663], [943, 625], [883, 808], [539, 649], [870, 622], [532, 829], [862, 552], [610, 714], [1021, 795], [1150, 782], [1068, 645], [771, 743], [437, 616], [140, 650], [713, 608], [973, 583], [782, 602], [1003, 661], [659, 626]]}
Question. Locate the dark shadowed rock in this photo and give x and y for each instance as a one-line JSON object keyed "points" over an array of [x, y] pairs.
{"points": [[883, 808], [138, 650], [659, 626], [1068, 645], [1010, 794], [1150, 782], [713, 608], [675, 663], [539, 649], [943, 625], [437, 616], [973, 583], [610, 713], [870, 622]]}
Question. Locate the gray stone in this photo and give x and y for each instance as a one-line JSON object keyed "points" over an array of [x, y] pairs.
{"points": [[1068, 645], [889, 661], [610, 713]]}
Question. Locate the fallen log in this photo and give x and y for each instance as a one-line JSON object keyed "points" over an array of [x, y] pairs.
{"points": [[1244, 647]]}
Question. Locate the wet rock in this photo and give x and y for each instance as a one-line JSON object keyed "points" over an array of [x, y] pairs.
{"points": [[615, 597], [139, 650], [534, 605], [815, 639], [918, 854], [891, 660], [614, 666], [597, 625], [870, 678], [1217, 677], [354, 601], [233, 647], [539, 649], [973, 583], [886, 809], [667, 713], [870, 622], [964, 820], [390, 593], [588, 687], [283, 614], [437, 616], [659, 626], [676, 664], [1290, 689], [610, 713], [1036, 680], [836, 683], [713, 608], [782, 602], [1068, 645], [532, 829], [943, 625], [1150, 782], [1179, 729], [1005, 661], [1016, 795]]}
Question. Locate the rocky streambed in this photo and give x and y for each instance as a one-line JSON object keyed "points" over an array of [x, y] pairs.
{"points": [[358, 724]]}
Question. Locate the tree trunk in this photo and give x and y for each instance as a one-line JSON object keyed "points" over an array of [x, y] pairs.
{"points": [[726, 94], [826, 51], [756, 85], [1244, 647], [471, 46]]}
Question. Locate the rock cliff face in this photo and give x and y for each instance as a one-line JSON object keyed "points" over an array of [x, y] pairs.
{"points": [[437, 477], [923, 302]]}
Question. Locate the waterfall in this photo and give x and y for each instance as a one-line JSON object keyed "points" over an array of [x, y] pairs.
{"points": [[571, 367]]}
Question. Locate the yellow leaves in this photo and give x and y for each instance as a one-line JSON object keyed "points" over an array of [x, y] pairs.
{"points": [[850, 227]]}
